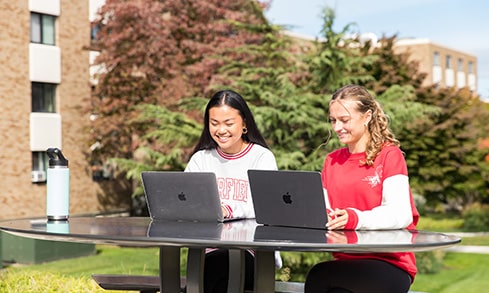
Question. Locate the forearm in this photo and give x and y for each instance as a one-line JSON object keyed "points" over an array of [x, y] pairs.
{"points": [[395, 211]]}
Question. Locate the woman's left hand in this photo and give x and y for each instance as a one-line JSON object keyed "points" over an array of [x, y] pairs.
{"points": [[225, 212]]}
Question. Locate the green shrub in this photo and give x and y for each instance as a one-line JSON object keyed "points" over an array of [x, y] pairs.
{"points": [[430, 262], [28, 281], [420, 203], [476, 217], [296, 265]]}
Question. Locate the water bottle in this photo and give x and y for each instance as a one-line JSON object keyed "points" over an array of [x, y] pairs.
{"points": [[58, 186]]}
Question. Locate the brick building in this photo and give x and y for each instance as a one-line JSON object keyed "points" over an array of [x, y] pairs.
{"points": [[444, 66], [44, 96]]}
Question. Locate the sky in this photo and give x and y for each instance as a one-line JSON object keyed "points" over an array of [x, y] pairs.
{"points": [[456, 24]]}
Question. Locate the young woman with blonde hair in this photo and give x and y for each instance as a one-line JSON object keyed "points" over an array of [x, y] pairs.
{"points": [[367, 187]]}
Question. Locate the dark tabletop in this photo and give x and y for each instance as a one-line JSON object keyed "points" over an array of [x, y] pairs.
{"points": [[242, 234]]}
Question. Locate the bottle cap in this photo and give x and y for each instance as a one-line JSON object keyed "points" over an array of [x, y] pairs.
{"points": [[56, 158]]}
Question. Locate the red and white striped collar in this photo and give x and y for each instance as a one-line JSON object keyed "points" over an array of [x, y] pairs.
{"points": [[235, 156]]}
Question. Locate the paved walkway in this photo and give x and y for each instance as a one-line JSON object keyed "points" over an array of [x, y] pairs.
{"points": [[469, 248]]}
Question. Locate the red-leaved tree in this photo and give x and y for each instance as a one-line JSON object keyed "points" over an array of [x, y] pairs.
{"points": [[157, 52]]}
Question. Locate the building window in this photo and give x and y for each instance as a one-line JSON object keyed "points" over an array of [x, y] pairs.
{"points": [[436, 59], [460, 65], [448, 63], [43, 97], [40, 162], [93, 32], [42, 29], [471, 67]]}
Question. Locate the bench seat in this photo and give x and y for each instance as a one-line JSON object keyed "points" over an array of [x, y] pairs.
{"points": [[151, 284]]}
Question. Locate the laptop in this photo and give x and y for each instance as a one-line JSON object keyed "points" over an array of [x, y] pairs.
{"points": [[182, 196], [288, 198]]}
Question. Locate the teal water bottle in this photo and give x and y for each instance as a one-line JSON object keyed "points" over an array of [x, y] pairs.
{"points": [[58, 186]]}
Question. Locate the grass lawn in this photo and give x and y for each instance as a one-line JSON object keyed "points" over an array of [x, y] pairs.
{"points": [[74, 275], [108, 260], [462, 272], [440, 224]]}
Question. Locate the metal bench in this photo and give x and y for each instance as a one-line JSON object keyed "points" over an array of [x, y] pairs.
{"points": [[151, 284], [143, 284]]}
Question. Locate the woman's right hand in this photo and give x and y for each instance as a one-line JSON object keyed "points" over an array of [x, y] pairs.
{"points": [[337, 219]]}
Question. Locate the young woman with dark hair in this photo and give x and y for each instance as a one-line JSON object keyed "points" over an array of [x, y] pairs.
{"points": [[230, 145]]}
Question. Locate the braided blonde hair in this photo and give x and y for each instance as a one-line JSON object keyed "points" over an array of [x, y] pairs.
{"points": [[378, 127]]}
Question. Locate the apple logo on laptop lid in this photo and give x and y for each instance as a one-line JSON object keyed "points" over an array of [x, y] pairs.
{"points": [[287, 197], [182, 196]]}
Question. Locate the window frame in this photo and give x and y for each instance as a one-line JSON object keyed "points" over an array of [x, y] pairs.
{"points": [[40, 161], [436, 58], [43, 29], [448, 62], [46, 102]]}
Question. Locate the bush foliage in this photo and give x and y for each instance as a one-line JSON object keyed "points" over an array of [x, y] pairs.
{"points": [[476, 217]]}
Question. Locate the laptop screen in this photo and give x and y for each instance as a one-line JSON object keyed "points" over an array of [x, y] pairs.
{"points": [[288, 198], [182, 196]]}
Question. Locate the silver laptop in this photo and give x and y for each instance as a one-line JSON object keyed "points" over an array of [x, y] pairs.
{"points": [[182, 196], [288, 198]]}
